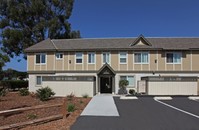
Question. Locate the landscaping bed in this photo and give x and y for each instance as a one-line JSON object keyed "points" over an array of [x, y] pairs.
{"points": [[13, 100]]}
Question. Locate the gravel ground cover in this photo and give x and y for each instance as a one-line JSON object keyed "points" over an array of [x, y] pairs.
{"points": [[13, 100]]}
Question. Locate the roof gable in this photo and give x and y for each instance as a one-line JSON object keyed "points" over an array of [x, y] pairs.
{"points": [[106, 70], [141, 40]]}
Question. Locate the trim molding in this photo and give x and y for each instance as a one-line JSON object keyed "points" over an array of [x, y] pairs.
{"points": [[94, 71]]}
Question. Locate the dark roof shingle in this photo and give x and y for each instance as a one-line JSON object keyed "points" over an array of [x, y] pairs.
{"points": [[114, 44]]}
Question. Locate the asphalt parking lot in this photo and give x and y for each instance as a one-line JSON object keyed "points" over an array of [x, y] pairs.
{"points": [[145, 113]]}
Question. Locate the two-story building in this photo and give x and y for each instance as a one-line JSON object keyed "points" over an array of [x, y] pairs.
{"points": [[91, 66]]}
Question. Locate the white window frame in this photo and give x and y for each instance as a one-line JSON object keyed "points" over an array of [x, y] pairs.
{"points": [[36, 81], [109, 57], [141, 57], [58, 54], [129, 86], [40, 58], [123, 57], [173, 57], [94, 57], [79, 58]]}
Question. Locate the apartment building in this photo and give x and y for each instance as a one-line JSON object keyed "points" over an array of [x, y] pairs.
{"points": [[92, 66]]}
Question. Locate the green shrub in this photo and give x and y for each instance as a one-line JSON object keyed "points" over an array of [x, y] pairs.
{"points": [[31, 116], [2, 92], [123, 83], [81, 102], [85, 96], [70, 97], [45, 93], [132, 91], [71, 108], [24, 92], [15, 84]]}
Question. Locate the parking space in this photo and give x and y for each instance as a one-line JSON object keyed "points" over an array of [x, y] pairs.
{"points": [[143, 113], [185, 104]]}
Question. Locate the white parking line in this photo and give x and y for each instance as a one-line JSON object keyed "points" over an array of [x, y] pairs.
{"points": [[177, 109]]}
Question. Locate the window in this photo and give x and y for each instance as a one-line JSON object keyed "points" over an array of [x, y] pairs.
{"points": [[131, 80], [59, 56], [174, 57], [123, 56], [106, 57], [40, 58], [141, 57], [79, 58], [39, 80], [91, 57]]}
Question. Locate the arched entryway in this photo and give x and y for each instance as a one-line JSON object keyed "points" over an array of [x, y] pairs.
{"points": [[106, 79]]}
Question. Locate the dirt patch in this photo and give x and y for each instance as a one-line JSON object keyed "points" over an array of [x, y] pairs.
{"points": [[13, 100]]}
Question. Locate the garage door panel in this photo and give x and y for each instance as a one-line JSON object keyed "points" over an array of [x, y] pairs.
{"points": [[66, 88], [172, 88]]}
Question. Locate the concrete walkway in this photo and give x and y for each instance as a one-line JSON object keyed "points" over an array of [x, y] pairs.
{"points": [[101, 105]]}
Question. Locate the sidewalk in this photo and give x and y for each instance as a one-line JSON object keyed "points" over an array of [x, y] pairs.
{"points": [[101, 105]]}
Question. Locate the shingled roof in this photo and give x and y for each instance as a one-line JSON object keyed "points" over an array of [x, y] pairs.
{"points": [[115, 44]]}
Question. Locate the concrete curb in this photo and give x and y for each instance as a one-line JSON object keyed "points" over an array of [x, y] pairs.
{"points": [[193, 98], [162, 98], [124, 97]]}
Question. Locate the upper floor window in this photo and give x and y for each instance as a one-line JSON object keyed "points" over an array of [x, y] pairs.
{"points": [[130, 79], [123, 57], [174, 57], [59, 56], [91, 57], [141, 57], [106, 57], [79, 57], [40, 58]]}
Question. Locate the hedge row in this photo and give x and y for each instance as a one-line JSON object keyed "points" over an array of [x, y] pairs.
{"points": [[13, 84]]}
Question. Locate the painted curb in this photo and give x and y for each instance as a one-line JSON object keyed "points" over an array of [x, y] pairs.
{"points": [[163, 98], [124, 98]]}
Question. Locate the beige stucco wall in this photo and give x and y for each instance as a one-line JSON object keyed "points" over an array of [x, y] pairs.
{"points": [[114, 60], [153, 57], [195, 60], [30, 62], [130, 60], [189, 62], [66, 88], [186, 60], [98, 60], [172, 88], [50, 61], [161, 61]]}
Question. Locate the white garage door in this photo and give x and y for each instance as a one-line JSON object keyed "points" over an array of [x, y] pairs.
{"points": [[172, 88]]}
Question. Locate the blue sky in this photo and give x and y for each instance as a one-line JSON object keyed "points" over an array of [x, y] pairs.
{"points": [[130, 18]]}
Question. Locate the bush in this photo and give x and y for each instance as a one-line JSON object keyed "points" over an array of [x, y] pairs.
{"points": [[2, 92], [13, 84], [45, 93], [132, 91], [24, 92], [85, 96], [70, 97], [31, 116], [81, 102], [122, 85], [71, 108]]}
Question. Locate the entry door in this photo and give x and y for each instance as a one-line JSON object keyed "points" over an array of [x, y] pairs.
{"points": [[106, 85]]}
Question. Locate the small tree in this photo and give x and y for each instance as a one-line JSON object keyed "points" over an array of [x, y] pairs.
{"points": [[122, 85]]}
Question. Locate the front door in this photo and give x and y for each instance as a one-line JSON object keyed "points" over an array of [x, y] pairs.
{"points": [[106, 84]]}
